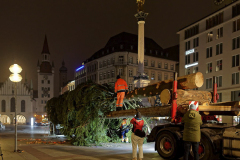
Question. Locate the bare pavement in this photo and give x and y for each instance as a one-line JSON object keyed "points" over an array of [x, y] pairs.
{"points": [[33, 141]]}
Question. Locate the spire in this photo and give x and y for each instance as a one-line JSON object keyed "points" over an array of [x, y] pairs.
{"points": [[45, 46]]}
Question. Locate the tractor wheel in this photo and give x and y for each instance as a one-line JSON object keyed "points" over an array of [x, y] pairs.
{"points": [[205, 149], [167, 145]]}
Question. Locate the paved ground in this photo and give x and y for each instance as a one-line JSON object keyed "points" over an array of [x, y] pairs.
{"points": [[26, 135], [31, 140]]}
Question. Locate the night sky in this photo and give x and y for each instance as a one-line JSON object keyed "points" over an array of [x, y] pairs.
{"points": [[76, 29]]}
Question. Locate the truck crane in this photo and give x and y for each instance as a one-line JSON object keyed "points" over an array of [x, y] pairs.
{"points": [[215, 137]]}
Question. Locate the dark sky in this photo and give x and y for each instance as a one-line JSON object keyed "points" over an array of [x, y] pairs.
{"points": [[76, 29]]}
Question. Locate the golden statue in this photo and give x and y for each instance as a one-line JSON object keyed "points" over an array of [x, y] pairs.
{"points": [[140, 5]]}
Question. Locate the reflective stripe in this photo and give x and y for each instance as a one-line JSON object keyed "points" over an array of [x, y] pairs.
{"points": [[121, 85]]}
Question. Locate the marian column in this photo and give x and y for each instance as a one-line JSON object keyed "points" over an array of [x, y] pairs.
{"points": [[141, 79]]}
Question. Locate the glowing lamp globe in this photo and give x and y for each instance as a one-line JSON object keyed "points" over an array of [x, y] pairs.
{"points": [[15, 68], [15, 77]]}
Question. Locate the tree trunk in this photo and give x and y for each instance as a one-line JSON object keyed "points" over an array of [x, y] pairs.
{"points": [[183, 97], [190, 81], [165, 111]]}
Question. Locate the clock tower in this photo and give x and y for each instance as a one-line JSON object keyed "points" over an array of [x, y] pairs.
{"points": [[45, 72], [218, 4]]}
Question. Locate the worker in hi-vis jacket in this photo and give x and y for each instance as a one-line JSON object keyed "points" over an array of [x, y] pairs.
{"points": [[120, 88]]}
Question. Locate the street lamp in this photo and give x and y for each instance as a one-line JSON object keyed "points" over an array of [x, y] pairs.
{"points": [[15, 77]]}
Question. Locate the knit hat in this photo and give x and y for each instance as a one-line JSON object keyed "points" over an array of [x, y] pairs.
{"points": [[192, 107], [118, 77]]}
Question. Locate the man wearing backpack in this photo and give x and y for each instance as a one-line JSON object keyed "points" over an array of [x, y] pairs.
{"points": [[136, 140]]}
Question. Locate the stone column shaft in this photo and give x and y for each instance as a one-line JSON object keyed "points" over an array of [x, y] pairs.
{"points": [[141, 46]]}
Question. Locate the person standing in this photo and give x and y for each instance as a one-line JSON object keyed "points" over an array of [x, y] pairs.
{"points": [[120, 89], [191, 133], [137, 141], [124, 130]]}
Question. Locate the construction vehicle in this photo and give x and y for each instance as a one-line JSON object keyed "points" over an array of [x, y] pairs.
{"points": [[216, 138]]}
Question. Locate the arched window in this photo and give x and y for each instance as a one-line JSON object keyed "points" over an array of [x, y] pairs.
{"points": [[12, 105], [3, 106], [23, 106]]}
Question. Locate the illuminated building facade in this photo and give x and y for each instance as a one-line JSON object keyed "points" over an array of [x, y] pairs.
{"points": [[211, 46], [119, 57]]}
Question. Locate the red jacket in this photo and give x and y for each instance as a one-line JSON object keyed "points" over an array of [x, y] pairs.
{"points": [[137, 124], [121, 85]]}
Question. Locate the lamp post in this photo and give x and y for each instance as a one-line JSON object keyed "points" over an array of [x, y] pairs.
{"points": [[15, 77]]}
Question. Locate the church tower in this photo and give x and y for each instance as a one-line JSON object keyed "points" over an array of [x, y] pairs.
{"points": [[45, 72], [218, 4], [62, 76]]}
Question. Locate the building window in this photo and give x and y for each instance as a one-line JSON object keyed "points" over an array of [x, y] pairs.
{"points": [[42, 95], [172, 67], [235, 78], [100, 76], [195, 57], [209, 68], [191, 31], [152, 76], [187, 71], [42, 81], [195, 69], [104, 63], [49, 88], [235, 10], [159, 65], [187, 45], [12, 105], [137, 61], [219, 49], [209, 52], [108, 75], [236, 25], [214, 21], [219, 65], [22, 106], [120, 71], [48, 81], [42, 102], [165, 65], [235, 43], [130, 87], [219, 33], [130, 72], [120, 59], [152, 63], [209, 36], [113, 73], [235, 60], [208, 83], [195, 42], [121, 46], [130, 60], [219, 81], [3, 106], [49, 94], [159, 76], [108, 62], [220, 97], [165, 76], [112, 48], [171, 75], [131, 47], [187, 59], [146, 72], [104, 75], [100, 65], [145, 62]]}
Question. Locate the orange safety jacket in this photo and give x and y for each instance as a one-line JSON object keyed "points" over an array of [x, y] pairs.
{"points": [[121, 85]]}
